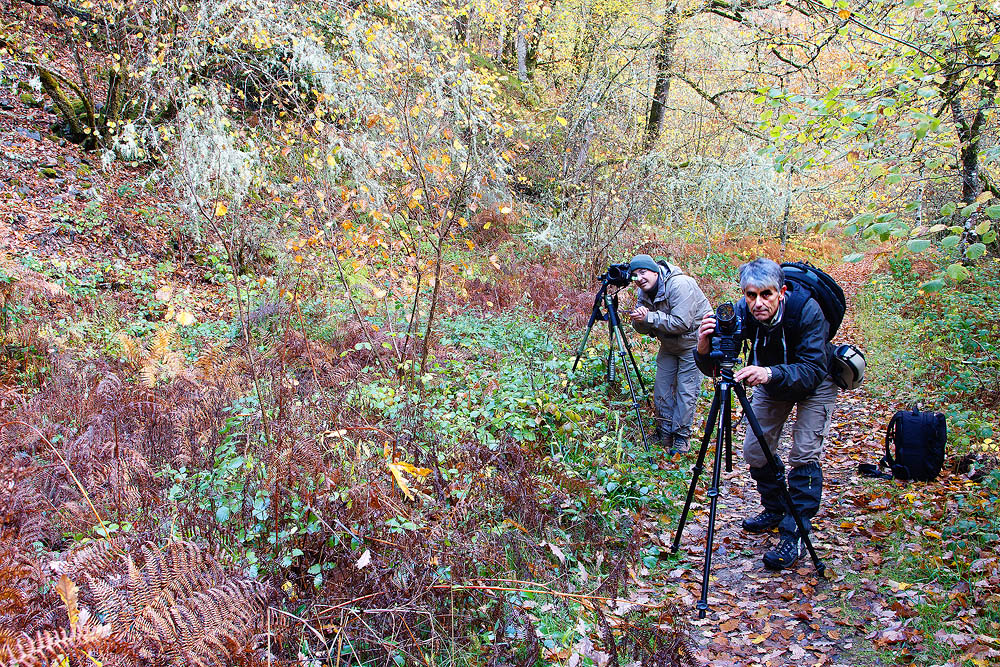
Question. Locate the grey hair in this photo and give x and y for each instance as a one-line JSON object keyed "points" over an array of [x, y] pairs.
{"points": [[761, 273]]}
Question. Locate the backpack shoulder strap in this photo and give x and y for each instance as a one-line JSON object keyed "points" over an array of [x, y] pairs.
{"points": [[890, 434]]}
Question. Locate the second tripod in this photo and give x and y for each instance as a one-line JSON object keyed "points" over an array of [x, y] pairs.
{"points": [[606, 309], [720, 419]]}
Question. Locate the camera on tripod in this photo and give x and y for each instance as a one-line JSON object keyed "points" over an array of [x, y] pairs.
{"points": [[605, 309], [617, 275], [728, 328]]}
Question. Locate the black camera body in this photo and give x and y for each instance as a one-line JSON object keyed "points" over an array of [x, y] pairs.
{"points": [[617, 275], [728, 327]]}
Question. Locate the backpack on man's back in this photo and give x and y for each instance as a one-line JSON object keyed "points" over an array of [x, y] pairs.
{"points": [[847, 363]]}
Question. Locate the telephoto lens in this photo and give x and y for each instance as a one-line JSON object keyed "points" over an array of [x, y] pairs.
{"points": [[727, 329], [725, 317]]}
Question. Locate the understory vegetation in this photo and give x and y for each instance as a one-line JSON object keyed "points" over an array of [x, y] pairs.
{"points": [[291, 295]]}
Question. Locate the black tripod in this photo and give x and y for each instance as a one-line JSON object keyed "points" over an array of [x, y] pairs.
{"points": [[720, 417], [616, 338]]}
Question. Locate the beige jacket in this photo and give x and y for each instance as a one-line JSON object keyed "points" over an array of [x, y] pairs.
{"points": [[675, 311]]}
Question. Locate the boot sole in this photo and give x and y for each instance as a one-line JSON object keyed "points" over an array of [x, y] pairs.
{"points": [[766, 529], [775, 566]]}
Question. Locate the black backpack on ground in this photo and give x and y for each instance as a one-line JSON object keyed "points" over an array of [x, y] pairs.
{"points": [[826, 291], [914, 446]]}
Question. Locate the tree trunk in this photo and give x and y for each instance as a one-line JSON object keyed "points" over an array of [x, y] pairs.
{"points": [[461, 25], [968, 152], [521, 43], [661, 89], [788, 208]]}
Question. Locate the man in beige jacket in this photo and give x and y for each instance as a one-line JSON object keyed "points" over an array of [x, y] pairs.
{"points": [[670, 308]]}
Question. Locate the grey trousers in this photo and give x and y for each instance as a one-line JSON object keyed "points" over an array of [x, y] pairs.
{"points": [[812, 424], [675, 392]]}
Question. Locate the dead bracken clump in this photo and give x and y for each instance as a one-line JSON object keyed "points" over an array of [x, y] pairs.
{"points": [[176, 522]]}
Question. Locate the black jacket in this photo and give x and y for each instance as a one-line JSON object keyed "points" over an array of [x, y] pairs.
{"points": [[796, 350]]}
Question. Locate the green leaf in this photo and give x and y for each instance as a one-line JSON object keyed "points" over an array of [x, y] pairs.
{"points": [[854, 257], [932, 285], [975, 251], [892, 179], [969, 210], [918, 245], [983, 227], [948, 209], [993, 211], [990, 236], [950, 241], [957, 272], [862, 219], [222, 514]]}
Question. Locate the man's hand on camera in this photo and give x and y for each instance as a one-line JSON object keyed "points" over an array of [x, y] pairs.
{"points": [[752, 375], [705, 334], [639, 314]]}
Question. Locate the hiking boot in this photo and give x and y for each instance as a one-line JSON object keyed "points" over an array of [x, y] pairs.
{"points": [[667, 441], [789, 550], [763, 522], [679, 446]]}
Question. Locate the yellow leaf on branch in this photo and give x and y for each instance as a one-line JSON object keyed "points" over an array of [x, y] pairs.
{"points": [[220, 209], [397, 474]]}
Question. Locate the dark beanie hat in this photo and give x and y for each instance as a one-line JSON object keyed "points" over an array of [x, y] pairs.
{"points": [[643, 262]]}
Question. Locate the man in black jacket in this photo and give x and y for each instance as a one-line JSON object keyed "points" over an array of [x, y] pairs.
{"points": [[785, 335]]}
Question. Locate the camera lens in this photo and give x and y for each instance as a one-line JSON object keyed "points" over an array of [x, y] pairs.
{"points": [[725, 315]]}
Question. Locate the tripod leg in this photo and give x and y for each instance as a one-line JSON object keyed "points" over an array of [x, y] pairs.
{"points": [[713, 413], [635, 366], [595, 316], [611, 375], [619, 339], [713, 494], [583, 345], [773, 465], [729, 442]]}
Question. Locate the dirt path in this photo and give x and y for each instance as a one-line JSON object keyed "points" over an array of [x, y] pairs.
{"points": [[759, 617]]}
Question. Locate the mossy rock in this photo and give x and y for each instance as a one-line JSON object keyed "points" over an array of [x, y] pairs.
{"points": [[28, 100], [83, 170], [48, 172]]}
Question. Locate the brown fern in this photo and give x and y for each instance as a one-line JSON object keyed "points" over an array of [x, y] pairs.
{"points": [[170, 605], [46, 647]]}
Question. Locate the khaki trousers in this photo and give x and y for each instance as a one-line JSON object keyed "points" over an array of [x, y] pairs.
{"points": [[675, 392], [812, 424]]}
